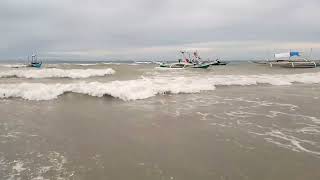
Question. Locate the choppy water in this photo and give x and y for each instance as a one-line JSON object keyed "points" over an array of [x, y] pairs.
{"points": [[138, 121]]}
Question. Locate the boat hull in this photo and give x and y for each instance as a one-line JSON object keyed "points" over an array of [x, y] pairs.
{"points": [[218, 64], [202, 66], [184, 65], [35, 65]]}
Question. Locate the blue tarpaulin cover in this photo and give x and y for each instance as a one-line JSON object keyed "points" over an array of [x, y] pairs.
{"points": [[294, 53]]}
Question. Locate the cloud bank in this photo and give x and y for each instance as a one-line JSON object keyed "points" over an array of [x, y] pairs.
{"points": [[140, 29]]}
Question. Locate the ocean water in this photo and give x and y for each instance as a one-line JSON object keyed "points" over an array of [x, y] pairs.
{"points": [[134, 120]]}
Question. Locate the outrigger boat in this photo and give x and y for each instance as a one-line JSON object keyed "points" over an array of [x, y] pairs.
{"points": [[187, 62], [34, 62], [290, 59]]}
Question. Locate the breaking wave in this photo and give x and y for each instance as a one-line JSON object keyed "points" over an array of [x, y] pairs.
{"points": [[13, 65], [148, 87], [56, 73], [125, 90]]}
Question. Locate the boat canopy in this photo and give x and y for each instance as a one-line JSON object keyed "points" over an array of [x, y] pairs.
{"points": [[287, 54]]}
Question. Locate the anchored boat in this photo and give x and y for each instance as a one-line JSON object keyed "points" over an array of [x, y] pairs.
{"points": [[290, 59], [293, 61], [185, 62], [34, 62]]}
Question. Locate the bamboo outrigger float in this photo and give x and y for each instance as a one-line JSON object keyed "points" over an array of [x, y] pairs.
{"points": [[301, 63]]}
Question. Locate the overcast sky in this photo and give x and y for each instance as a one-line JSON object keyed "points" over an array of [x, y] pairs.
{"points": [[143, 29]]}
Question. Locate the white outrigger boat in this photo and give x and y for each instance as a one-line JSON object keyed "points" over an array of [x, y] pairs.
{"points": [[290, 59], [187, 62]]}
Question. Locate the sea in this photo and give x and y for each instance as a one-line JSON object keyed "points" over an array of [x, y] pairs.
{"points": [[137, 121]]}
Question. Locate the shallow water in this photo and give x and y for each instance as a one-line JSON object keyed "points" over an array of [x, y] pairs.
{"points": [[240, 121]]}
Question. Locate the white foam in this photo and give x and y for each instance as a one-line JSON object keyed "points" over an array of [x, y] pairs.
{"points": [[111, 63], [95, 64], [288, 141], [56, 73], [143, 62], [18, 167], [309, 130], [39, 178]]}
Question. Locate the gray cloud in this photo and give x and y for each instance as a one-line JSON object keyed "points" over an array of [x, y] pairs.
{"points": [[155, 29]]}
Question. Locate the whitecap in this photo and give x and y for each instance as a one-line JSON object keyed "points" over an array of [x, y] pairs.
{"points": [[13, 65], [56, 73], [18, 167], [95, 64]]}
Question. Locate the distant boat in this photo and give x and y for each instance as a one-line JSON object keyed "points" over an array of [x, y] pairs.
{"points": [[219, 63], [34, 62], [216, 62]]}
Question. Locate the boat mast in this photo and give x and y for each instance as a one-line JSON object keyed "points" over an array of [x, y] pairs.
{"points": [[32, 58], [289, 54], [182, 52]]}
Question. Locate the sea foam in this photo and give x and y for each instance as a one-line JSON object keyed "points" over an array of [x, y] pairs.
{"points": [[56, 73], [147, 87]]}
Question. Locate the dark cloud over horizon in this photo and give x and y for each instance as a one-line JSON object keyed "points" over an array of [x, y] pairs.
{"points": [[152, 29]]}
